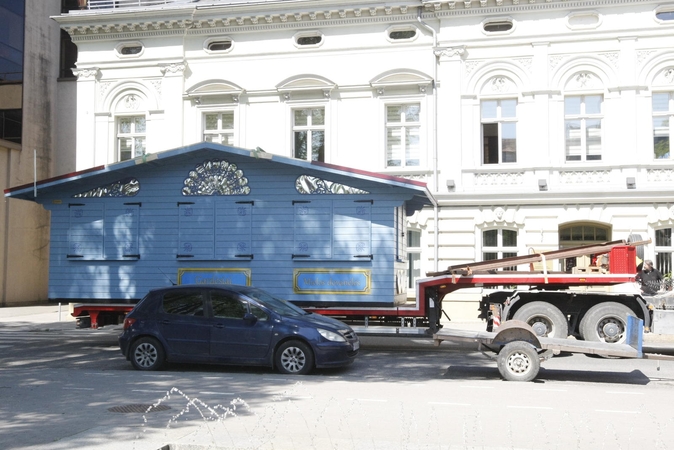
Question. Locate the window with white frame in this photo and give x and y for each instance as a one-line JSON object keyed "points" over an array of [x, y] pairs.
{"points": [[499, 131], [664, 251], [309, 134], [131, 136], [413, 257], [499, 243], [403, 135], [663, 125], [582, 127], [219, 127]]}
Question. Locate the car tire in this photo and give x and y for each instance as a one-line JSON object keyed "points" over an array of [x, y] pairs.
{"points": [[518, 361], [294, 358], [147, 353]]}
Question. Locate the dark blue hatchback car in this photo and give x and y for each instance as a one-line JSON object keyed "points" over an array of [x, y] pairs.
{"points": [[238, 325]]}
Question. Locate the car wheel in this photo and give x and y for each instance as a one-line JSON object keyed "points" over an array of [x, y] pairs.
{"points": [[147, 354], [294, 357], [546, 319], [518, 361]]}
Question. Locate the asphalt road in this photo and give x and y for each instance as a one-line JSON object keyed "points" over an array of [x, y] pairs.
{"points": [[64, 388]]}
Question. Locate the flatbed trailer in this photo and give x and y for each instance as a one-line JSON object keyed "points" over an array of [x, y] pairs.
{"points": [[519, 351]]}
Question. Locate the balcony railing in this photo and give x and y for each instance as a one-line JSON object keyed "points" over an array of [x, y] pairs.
{"points": [[110, 4]]}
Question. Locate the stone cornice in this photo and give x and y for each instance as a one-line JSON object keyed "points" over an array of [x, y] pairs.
{"points": [[231, 18]]}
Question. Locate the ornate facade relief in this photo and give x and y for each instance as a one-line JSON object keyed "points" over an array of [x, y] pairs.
{"points": [[501, 178], [584, 176], [660, 175]]}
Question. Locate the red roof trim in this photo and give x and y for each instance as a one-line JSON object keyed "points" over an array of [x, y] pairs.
{"points": [[371, 174], [49, 180]]}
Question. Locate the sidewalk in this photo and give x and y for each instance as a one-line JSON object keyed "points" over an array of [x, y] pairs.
{"points": [[38, 317]]}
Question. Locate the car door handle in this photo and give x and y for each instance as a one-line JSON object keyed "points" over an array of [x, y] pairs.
{"points": [[165, 322], [219, 325]]}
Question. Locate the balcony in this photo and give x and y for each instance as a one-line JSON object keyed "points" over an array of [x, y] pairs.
{"points": [[118, 4]]}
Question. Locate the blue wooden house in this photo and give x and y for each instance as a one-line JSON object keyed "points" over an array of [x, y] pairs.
{"points": [[313, 233]]}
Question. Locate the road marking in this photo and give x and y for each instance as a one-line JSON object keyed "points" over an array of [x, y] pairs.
{"points": [[374, 400], [278, 379], [216, 393], [551, 390], [218, 378], [78, 389]]}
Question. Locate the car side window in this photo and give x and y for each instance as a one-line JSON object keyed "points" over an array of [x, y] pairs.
{"points": [[227, 306], [259, 313], [183, 303]]}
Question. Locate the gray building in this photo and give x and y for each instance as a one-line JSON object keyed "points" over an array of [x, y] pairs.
{"points": [[37, 108]]}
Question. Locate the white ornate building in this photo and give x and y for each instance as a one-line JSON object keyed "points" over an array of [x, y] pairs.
{"points": [[537, 124]]}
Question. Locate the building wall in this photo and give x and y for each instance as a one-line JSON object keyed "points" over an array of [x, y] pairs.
{"points": [[554, 50], [24, 257]]}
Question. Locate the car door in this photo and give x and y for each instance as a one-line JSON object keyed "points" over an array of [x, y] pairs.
{"points": [[184, 326], [235, 335]]}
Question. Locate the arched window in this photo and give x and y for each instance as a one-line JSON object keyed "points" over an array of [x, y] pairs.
{"points": [[499, 243], [578, 234]]}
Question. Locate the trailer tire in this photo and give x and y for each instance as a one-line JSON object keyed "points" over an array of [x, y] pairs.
{"points": [[518, 361], [546, 319], [605, 322], [294, 358], [147, 353]]}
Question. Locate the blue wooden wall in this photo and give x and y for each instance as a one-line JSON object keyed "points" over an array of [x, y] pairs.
{"points": [[216, 214]]}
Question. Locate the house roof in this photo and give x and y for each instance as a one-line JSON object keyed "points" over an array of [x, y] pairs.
{"points": [[31, 192]]}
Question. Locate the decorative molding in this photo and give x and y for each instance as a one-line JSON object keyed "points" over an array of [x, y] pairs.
{"points": [[660, 175], [84, 74], [471, 66], [526, 63], [173, 68], [307, 184], [499, 178], [642, 55], [128, 187], [103, 88], [215, 177], [555, 60], [157, 85], [584, 176], [613, 59]]}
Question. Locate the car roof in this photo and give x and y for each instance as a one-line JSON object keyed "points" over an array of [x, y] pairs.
{"points": [[210, 287]]}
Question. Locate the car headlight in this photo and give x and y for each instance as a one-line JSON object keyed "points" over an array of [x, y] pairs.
{"points": [[331, 336]]}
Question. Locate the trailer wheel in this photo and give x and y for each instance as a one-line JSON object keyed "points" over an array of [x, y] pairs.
{"points": [[147, 354], [518, 361], [294, 358], [605, 322], [546, 319]]}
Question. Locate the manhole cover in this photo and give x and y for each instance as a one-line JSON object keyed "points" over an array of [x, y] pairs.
{"points": [[138, 408]]}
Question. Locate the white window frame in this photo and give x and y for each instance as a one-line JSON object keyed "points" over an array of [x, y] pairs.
{"points": [[413, 258], [583, 117], [310, 128], [664, 131], [131, 135], [403, 126], [219, 131], [499, 249], [664, 253], [499, 121]]}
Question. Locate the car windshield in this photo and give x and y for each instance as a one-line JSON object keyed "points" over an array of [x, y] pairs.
{"points": [[283, 307]]}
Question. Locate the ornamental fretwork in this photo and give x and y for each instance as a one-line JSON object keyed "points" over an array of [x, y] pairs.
{"points": [[216, 177], [306, 184], [498, 179], [128, 187], [584, 176]]}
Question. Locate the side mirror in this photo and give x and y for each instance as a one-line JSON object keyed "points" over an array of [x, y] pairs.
{"points": [[248, 317]]}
